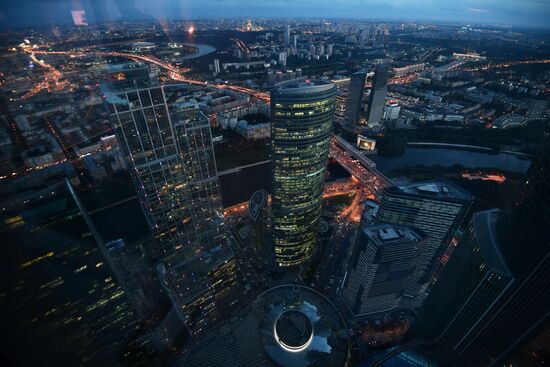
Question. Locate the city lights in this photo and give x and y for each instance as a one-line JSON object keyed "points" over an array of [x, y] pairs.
{"points": [[227, 183]]}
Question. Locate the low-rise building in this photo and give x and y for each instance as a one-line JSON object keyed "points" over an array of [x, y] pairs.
{"points": [[509, 121], [253, 132]]}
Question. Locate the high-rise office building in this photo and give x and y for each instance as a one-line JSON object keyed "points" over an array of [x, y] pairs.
{"points": [[391, 111], [286, 35], [217, 69], [329, 49], [494, 294], [378, 95], [132, 275], [258, 212], [170, 152], [61, 303], [282, 58], [355, 96], [413, 354], [476, 277], [381, 267], [320, 49], [302, 113], [436, 208], [295, 41]]}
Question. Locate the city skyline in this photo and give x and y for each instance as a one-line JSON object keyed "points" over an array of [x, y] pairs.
{"points": [[529, 13], [262, 192]]}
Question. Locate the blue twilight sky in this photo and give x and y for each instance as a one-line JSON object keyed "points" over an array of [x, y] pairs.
{"points": [[531, 13]]}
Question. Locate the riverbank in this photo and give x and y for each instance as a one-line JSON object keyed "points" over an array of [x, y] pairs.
{"points": [[465, 147], [200, 50]]}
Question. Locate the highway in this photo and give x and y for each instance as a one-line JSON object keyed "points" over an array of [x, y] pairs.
{"points": [[52, 79], [507, 64], [359, 166], [174, 72]]}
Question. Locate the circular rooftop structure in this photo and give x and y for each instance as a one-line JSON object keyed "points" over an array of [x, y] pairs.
{"points": [[293, 330], [285, 326], [143, 46], [302, 86], [301, 328]]}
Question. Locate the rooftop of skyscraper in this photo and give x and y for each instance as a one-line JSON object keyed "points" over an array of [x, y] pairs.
{"points": [[438, 189], [387, 234], [314, 333], [302, 85]]}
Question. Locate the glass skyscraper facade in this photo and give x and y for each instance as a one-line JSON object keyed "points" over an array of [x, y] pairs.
{"points": [[381, 267], [355, 96], [169, 149], [302, 113], [495, 292], [478, 276], [415, 354], [60, 302], [436, 208]]}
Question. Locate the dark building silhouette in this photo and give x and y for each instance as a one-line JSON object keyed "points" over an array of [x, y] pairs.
{"points": [[495, 292], [258, 212], [355, 96], [61, 303], [422, 353], [377, 96]]}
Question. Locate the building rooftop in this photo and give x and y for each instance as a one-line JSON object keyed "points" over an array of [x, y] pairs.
{"points": [[302, 86], [386, 234], [125, 66], [508, 120], [256, 203], [437, 189], [288, 325], [143, 44]]}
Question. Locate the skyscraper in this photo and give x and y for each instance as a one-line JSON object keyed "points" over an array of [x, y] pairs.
{"points": [[476, 277], [282, 58], [61, 303], [495, 291], [169, 150], [377, 95], [320, 49], [436, 208], [381, 267], [286, 35], [302, 113], [258, 212], [355, 96], [295, 41]]}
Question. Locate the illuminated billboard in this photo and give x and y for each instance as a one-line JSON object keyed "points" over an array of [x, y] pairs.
{"points": [[365, 143]]}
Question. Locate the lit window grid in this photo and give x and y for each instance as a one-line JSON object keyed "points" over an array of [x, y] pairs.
{"points": [[300, 144]]}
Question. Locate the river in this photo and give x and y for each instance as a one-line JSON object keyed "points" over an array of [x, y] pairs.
{"points": [[449, 157], [238, 186], [202, 50]]}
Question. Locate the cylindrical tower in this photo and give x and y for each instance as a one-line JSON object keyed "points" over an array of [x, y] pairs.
{"points": [[302, 113]]}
